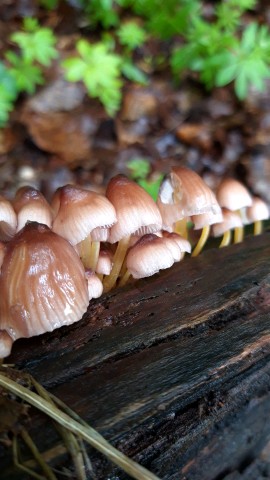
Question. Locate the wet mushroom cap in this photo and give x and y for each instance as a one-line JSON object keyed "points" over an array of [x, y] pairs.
{"points": [[149, 255], [137, 213], [78, 211], [31, 205], [42, 283]]}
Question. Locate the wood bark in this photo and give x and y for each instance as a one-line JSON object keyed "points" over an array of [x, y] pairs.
{"points": [[173, 370]]}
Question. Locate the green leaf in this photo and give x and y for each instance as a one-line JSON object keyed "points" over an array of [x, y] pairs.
{"points": [[49, 4], [131, 35], [133, 73], [139, 167], [151, 186], [75, 69]]}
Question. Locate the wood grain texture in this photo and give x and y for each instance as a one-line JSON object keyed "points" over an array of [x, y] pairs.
{"points": [[174, 370]]}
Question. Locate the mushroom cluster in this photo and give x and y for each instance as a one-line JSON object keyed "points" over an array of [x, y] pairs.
{"points": [[55, 258]]}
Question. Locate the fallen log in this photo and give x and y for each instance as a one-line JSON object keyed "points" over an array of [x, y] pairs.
{"points": [[173, 370]]}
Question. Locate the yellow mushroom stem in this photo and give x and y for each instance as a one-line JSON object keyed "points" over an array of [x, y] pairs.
{"points": [[118, 259], [94, 253], [124, 279], [202, 240], [239, 232], [84, 250], [258, 227], [226, 239], [180, 227]]}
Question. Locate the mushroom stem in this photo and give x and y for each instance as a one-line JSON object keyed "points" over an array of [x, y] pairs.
{"points": [[124, 278], [93, 257], [226, 239], [201, 242], [238, 234], [117, 261], [180, 227], [258, 227], [85, 250]]}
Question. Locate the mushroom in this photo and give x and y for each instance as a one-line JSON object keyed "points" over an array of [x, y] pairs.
{"points": [[231, 221], [137, 214], [8, 220], [256, 213], [79, 213], [234, 196], [42, 283], [31, 205], [184, 194]]}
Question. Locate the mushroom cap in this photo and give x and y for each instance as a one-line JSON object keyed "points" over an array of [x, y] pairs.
{"points": [[136, 211], [208, 218], [149, 255], [182, 194], [257, 211], [233, 195], [231, 220], [95, 287], [42, 283], [78, 211], [182, 242], [104, 263], [8, 220], [31, 206]]}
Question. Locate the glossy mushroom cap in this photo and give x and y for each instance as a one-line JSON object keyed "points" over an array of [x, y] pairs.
{"points": [[31, 206], [257, 211], [233, 195], [78, 212], [182, 194], [149, 255], [8, 220], [231, 220], [136, 211], [208, 218], [42, 283]]}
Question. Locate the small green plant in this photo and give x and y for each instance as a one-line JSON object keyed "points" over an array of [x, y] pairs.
{"points": [[99, 69], [139, 171], [21, 71]]}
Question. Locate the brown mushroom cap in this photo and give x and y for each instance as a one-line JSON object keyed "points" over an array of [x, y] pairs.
{"points": [[8, 220], [42, 283], [31, 206], [78, 211], [137, 213], [149, 255], [233, 195]]}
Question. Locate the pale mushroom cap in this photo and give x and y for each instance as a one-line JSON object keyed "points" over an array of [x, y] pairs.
{"points": [[182, 242], [31, 206], [191, 193], [95, 287], [231, 220], [149, 255], [78, 212], [136, 211], [170, 214], [42, 283], [233, 195], [104, 263], [8, 220], [5, 344], [206, 219], [257, 211]]}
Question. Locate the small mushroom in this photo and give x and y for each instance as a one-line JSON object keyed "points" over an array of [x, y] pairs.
{"points": [[256, 213], [78, 213], [137, 214], [42, 283], [31, 206], [234, 196], [8, 220], [231, 221]]}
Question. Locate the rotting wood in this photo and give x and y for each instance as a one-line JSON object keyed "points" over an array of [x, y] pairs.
{"points": [[174, 370]]}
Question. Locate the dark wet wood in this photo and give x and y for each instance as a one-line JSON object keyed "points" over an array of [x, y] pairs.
{"points": [[174, 370]]}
